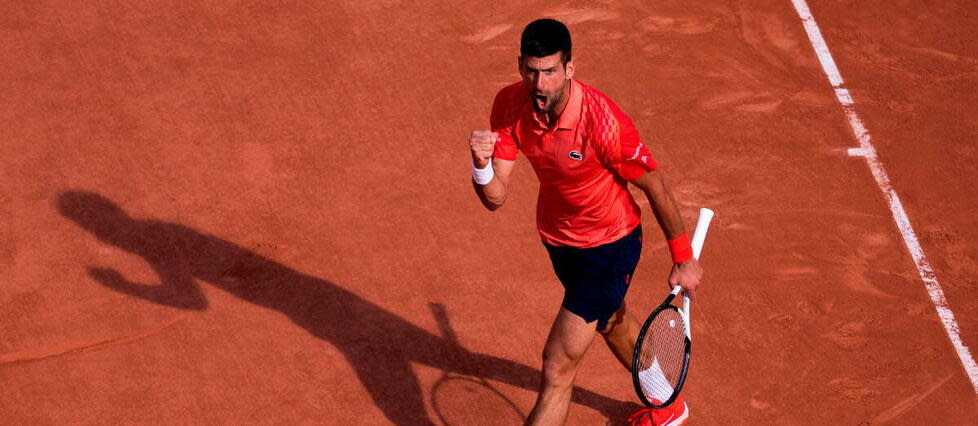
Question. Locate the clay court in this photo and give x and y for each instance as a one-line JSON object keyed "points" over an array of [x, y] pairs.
{"points": [[261, 213]]}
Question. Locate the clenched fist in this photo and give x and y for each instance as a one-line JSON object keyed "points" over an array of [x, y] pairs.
{"points": [[482, 143]]}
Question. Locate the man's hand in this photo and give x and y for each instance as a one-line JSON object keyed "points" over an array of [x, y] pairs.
{"points": [[482, 143], [687, 275]]}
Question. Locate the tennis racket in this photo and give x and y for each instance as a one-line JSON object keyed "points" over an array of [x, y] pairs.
{"points": [[661, 357]]}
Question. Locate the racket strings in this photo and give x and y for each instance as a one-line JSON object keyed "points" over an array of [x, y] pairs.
{"points": [[662, 356]]}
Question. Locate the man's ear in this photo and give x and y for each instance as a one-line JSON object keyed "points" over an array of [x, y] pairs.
{"points": [[519, 64], [569, 69]]}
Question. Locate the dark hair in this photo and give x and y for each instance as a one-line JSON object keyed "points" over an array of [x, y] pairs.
{"points": [[544, 37]]}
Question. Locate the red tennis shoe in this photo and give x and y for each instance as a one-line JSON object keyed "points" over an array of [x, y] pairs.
{"points": [[673, 415]]}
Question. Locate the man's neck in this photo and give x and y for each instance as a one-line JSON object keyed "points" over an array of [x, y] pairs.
{"points": [[551, 117]]}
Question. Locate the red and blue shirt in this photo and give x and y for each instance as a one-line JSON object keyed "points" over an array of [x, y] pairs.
{"points": [[583, 162]]}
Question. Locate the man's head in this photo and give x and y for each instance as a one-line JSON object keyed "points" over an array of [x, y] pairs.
{"points": [[545, 63]]}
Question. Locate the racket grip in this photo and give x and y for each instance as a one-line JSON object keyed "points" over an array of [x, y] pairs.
{"points": [[699, 234], [699, 237]]}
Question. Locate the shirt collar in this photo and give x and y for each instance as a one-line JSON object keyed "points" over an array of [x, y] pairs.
{"points": [[572, 111]]}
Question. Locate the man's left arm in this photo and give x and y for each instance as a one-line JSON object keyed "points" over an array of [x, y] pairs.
{"points": [[686, 270]]}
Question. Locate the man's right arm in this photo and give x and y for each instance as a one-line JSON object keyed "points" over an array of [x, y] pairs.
{"points": [[493, 193]]}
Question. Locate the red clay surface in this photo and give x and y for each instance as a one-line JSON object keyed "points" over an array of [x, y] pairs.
{"points": [[262, 214]]}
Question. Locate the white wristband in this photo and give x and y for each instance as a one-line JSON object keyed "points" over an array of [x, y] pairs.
{"points": [[482, 176]]}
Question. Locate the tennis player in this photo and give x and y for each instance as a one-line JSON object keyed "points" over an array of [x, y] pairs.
{"points": [[585, 151]]}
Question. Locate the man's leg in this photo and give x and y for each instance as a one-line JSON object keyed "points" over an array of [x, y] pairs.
{"points": [[621, 334], [570, 337]]}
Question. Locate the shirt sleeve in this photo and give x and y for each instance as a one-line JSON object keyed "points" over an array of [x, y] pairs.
{"points": [[623, 150], [503, 121]]}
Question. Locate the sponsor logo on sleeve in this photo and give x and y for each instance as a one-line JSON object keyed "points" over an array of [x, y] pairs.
{"points": [[638, 150], [576, 155]]}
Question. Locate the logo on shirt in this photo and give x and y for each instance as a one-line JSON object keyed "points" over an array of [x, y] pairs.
{"points": [[638, 150], [576, 155]]}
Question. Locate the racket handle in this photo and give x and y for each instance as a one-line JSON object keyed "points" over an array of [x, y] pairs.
{"points": [[699, 234], [699, 237]]}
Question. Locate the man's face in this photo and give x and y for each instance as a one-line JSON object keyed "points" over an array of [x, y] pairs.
{"points": [[547, 77]]}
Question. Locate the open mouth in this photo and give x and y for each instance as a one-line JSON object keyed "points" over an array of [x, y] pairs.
{"points": [[540, 101]]}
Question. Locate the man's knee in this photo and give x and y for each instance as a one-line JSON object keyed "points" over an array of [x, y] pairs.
{"points": [[559, 370]]}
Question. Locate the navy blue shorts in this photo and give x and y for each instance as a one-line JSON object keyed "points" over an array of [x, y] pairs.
{"points": [[596, 279]]}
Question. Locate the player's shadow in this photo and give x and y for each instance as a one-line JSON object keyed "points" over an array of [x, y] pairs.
{"points": [[379, 345]]}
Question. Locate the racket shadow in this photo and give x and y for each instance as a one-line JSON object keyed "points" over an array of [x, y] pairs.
{"points": [[464, 400], [182, 257]]}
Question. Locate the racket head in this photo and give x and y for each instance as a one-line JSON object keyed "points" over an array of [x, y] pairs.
{"points": [[661, 356]]}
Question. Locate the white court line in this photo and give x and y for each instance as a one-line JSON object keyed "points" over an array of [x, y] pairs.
{"points": [[867, 151]]}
